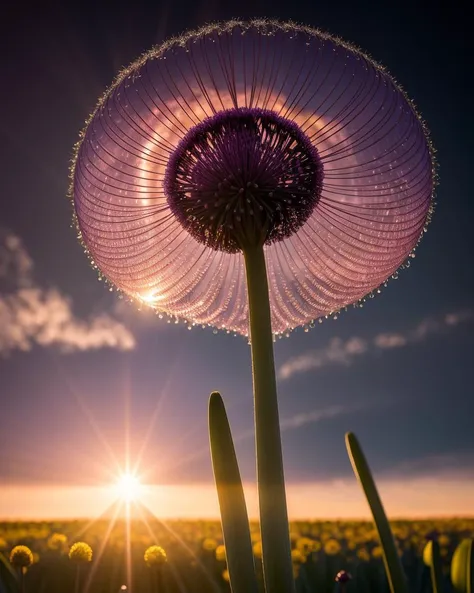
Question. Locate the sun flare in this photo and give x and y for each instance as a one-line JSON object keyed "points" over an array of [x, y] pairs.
{"points": [[128, 488]]}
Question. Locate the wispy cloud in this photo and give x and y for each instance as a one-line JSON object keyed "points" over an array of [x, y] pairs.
{"points": [[337, 352], [32, 315], [458, 463], [16, 265], [314, 416], [345, 352], [310, 417]]}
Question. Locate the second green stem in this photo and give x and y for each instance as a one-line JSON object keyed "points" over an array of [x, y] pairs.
{"points": [[277, 564]]}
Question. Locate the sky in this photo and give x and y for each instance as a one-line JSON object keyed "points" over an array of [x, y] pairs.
{"points": [[88, 381]]}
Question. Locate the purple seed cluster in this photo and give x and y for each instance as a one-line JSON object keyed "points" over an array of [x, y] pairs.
{"points": [[242, 178]]}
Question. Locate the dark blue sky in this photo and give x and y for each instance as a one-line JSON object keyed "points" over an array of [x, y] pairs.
{"points": [[411, 404]]}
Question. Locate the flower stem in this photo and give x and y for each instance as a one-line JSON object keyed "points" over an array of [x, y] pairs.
{"points": [[22, 580], [277, 564], [78, 579], [159, 580]]}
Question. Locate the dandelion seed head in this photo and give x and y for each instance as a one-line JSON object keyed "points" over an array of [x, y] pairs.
{"points": [[248, 133], [221, 555], [363, 554], [21, 557], [155, 556], [332, 547], [297, 557], [80, 553], [257, 549], [57, 541], [377, 552], [209, 544]]}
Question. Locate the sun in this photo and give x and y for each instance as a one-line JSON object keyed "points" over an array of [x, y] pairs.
{"points": [[128, 488]]}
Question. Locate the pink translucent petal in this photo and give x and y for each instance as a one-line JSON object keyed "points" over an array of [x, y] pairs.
{"points": [[378, 174]]}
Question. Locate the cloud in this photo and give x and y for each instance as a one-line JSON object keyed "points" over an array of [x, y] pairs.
{"points": [[32, 315], [16, 265], [385, 341], [314, 416], [458, 463], [343, 353], [338, 352], [456, 318]]}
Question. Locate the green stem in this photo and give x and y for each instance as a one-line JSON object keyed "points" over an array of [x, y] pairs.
{"points": [[393, 566], [235, 522], [78, 579], [277, 564], [159, 580]]}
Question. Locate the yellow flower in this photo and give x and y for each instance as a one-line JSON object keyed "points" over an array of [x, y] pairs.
{"points": [[257, 549], [444, 552], [57, 541], [155, 556], [209, 544], [220, 553], [363, 554], [377, 552], [297, 557], [306, 545], [332, 547], [352, 545], [294, 536], [225, 575], [444, 540], [80, 553], [349, 533], [21, 557], [255, 536]]}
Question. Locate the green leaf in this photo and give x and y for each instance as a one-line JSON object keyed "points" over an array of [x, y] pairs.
{"points": [[432, 558], [235, 523], [393, 566], [9, 582], [462, 567]]}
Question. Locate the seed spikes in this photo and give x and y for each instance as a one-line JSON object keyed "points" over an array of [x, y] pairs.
{"points": [[243, 178]]}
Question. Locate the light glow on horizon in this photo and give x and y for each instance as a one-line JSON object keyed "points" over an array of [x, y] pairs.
{"points": [[437, 495], [128, 488]]}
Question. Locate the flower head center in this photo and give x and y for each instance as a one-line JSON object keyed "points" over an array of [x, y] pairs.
{"points": [[243, 177]]}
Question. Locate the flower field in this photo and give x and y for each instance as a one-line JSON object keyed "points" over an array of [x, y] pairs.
{"points": [[189, 556]]}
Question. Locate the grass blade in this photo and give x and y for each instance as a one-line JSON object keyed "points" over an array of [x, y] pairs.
{"points": [[235, 523], [432, 558], [462, 567], [393, 566], [9, 581]]}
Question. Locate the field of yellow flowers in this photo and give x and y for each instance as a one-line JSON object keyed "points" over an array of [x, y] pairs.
{"points": [[189, 556]]}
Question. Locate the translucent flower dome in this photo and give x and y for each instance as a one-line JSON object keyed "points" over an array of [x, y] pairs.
{"points": [[249, 132]]}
